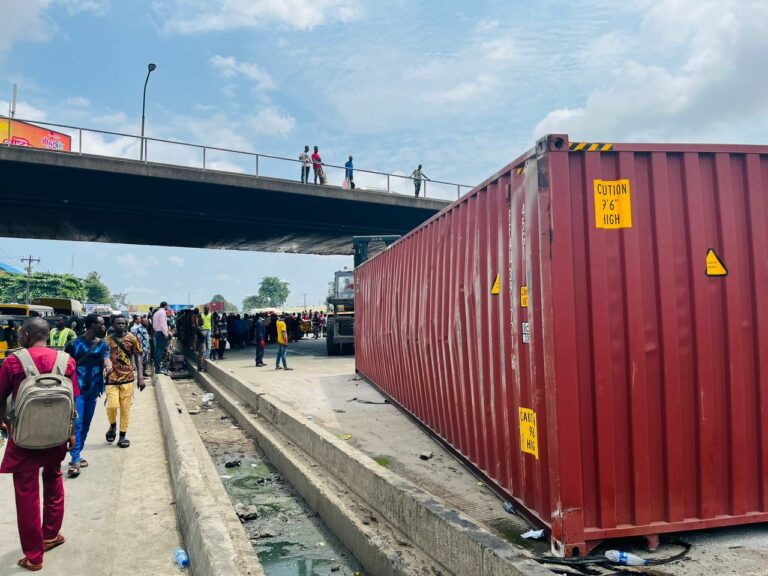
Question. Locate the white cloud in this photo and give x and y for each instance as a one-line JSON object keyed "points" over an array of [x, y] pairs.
{"points": [[711, 83], [464, 91], [270, 121], [75, 7], [24, 21], [229, 67], [176, 261], [131, 260], [77, 102], [194, 16], [25, 111]]}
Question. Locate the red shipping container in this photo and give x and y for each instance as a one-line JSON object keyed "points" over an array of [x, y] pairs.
{"points": [[589, 328]]}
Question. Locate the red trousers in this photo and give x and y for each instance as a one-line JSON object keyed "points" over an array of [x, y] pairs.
{"points": [[31, 530]]}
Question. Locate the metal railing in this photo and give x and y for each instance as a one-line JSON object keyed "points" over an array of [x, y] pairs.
{"points": [[129, 146]]}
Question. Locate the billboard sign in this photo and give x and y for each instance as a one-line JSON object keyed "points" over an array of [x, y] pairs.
{"points": [[23, 134]]}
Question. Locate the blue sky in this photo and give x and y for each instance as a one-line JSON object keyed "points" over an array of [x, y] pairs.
{"points": [[462, 88]]}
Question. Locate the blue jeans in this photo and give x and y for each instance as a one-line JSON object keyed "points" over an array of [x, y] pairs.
{"points": [[86, 407], [161, 348], [207, 343], [281, 350], [259, 353]]}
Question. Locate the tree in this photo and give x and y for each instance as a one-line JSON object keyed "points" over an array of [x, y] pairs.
{"points": [[96, 292], [228, 306], [120, 300], [41, 285], [273, 292], [250, 302]]}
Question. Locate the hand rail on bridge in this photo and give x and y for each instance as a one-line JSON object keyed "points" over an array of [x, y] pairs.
{"points": [[206, 149]]}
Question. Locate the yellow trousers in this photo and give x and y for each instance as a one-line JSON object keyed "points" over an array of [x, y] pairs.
{"points": [[119, 396]]}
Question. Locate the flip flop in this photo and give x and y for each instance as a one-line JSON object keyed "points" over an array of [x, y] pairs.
{"points": [[27, 565], [74, 470], [53, 542]]}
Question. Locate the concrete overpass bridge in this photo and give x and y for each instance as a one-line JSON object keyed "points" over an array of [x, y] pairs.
{"points": [[71, 196]]}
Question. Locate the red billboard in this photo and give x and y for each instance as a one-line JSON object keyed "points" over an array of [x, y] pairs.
{"points": [[24, 134]]}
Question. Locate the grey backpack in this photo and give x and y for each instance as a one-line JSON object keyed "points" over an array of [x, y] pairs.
{"points": [[43, 412]]}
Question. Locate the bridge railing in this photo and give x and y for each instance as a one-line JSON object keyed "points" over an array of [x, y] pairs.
{"points": [[94, 142]]}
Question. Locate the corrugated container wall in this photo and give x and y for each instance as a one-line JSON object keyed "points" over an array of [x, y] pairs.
{"points": [[589, 327]]}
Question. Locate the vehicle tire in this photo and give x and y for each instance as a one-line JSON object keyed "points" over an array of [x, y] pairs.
{"points": [[332, 348]]}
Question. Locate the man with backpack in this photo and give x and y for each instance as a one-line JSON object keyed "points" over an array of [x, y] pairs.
{"points": [[125, 352], [91, 354], [44, 387]]}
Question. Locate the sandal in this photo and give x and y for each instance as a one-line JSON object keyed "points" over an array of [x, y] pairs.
{"points": [[74, 470], [111, 435], [123, 443], [27, 565], [53, 542]]}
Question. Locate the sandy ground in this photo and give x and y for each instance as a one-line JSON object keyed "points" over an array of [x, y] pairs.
{"points": [[120, 518]]}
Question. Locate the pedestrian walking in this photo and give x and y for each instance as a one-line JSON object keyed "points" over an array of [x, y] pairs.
{"points": [[207, 318], [60, 336], [221, 332], [260, 334], [282, 345], [36, 536], [199, 339], [139, 330], [317, 165], [349, 175], [91, 354], [160, 329], [418, 176], [125, 353], [305, 161]]}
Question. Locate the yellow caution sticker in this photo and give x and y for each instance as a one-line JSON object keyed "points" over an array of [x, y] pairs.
{"points": [[613, 207], [524, 296], [529, 438], [715, 265], [496, 289]]}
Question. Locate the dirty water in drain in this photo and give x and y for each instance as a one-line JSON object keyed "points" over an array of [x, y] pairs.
{"points": [[288, 537]]}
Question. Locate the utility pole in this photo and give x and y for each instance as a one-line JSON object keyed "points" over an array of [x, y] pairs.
{"points": [[305, 301], [29, 262]]}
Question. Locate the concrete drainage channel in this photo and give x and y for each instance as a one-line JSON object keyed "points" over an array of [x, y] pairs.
{"points": [[288, 537], [390, 525]]}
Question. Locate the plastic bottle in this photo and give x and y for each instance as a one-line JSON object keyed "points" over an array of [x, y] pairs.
{"points": [[180, 555], [625, 558]]}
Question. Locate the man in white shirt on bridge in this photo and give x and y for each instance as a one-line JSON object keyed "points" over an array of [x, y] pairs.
{"points": [[305, 161]]}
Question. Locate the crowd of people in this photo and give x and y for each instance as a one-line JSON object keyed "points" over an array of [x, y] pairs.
{"points": [[108, 358], [94, 364], [314, 161]]}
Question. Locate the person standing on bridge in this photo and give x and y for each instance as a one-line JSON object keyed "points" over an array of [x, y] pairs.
{"points": [[349, 174], [418, 176], [317, 164], [305, 159]]}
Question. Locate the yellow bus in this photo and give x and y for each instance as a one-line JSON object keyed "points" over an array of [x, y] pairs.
{"points": [[26, 310]]}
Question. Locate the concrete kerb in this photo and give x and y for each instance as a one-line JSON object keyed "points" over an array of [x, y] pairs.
{"points": [[214, 537], [449, 537]]}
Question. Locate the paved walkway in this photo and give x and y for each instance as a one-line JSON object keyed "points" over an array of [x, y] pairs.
{"points": [[120, 519]]}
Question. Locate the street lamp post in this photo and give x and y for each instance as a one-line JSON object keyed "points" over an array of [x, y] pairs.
{"points": [[143, 153]]}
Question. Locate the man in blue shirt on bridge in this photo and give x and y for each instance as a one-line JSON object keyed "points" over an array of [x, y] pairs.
{"points": [[350, 175]]}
